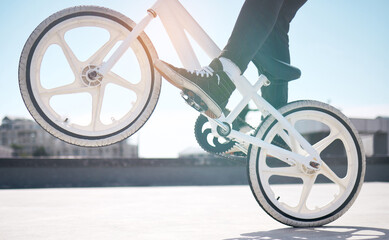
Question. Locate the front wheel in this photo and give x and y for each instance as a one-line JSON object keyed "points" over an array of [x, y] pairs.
{"points": [[59, 85], [311, 198]]}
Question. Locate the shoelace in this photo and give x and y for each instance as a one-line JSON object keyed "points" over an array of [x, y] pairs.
{"points": [[205, 71]]}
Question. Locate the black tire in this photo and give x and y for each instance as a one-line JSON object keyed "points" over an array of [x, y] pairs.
{"points": [[50, 122], [264, 187]]}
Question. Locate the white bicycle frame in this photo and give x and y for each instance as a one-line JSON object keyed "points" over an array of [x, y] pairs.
{"points": [[176, 20]]}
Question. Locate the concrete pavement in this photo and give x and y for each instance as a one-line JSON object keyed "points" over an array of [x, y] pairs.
{"points": [[214, 212]]}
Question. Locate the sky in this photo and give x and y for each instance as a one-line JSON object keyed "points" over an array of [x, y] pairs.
{"points": [[341, 47]]}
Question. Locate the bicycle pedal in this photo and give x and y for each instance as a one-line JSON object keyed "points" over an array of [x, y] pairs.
{"points": [[194, 101]]}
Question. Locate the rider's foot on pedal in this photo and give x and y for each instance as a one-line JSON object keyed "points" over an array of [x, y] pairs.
{"points": [[211, 84]]}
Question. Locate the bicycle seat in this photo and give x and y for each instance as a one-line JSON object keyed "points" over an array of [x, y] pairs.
{"points": [[276, 69]]}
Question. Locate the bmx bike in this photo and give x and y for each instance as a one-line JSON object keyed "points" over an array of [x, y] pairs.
{"points": [[278, 148]]}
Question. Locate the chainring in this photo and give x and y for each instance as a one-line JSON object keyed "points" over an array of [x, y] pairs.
{"points": [[209, 142]]}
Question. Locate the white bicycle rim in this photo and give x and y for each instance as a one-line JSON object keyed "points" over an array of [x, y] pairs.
{"points": [[314, 203], [97, 126]]}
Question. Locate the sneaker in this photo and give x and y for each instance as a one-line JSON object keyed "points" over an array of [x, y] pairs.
{"points": [[211, 84]]}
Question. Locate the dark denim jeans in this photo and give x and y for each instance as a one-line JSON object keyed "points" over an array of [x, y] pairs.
{"points": [[262, 29]]}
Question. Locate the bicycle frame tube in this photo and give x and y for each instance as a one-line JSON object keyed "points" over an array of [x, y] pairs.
{"points": [[176, 20], [259, 101], [247, 91], [284, 155], [250, 92], [138, 29]]}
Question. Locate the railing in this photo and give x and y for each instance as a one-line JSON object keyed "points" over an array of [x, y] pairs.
{"points": [[94, 172]]}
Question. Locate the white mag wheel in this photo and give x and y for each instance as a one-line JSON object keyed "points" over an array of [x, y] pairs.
{"points": [[314, 198], [65, 96]]}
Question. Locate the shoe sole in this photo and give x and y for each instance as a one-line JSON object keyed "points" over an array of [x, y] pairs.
{"points": [[214, 111]]}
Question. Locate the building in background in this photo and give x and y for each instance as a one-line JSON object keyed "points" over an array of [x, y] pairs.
{"points": [[373, 132], [23, 137], [5, 152], [26, 138], [375, 135]]}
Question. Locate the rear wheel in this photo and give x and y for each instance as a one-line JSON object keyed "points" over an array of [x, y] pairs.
{"points": [[316, 197], [59, 85]]}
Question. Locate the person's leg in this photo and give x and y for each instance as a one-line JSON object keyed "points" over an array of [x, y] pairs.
{"points": [[277, 43], [212, 86], [277, 46], [254, 24]]}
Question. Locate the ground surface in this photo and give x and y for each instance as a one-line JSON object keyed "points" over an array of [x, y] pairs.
{"points": [[220, 212]]}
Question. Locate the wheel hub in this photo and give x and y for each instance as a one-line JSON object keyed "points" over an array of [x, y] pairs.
{"points": [[90, 77], [306, 170]]}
